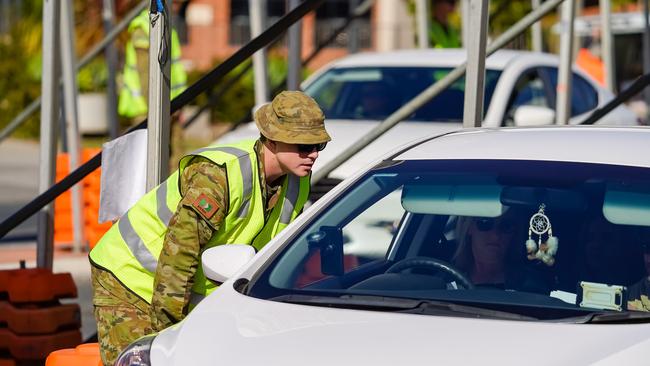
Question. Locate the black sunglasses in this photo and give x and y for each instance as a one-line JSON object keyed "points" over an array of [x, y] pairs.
{"points": [[487, 224], [308, 148]]}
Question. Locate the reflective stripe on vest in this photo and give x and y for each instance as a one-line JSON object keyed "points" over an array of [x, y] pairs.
{"points": [[130, 249]]}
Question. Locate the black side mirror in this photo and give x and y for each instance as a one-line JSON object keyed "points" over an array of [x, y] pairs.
{"points": [[329, 241]]}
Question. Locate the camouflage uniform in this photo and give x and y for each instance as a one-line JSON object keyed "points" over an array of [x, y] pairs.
{"points": [[122, 316], [188, 233], [119, 311]]}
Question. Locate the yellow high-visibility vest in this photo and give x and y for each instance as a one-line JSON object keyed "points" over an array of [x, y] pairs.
{"points": [[132, 103], [131, 247], [441, 38]]}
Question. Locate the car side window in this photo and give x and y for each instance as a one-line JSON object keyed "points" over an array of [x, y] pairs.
{"points": [[584, 97], [365, 237], [528, 90]]}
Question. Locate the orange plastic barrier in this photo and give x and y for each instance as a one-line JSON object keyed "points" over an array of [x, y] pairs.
{"points": [[591, 64], [83, 355], [63, 227], [37, 347], [33, 323], [36, 285], [27, 320]]}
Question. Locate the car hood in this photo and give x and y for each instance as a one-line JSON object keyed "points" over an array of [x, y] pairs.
{"points": [[346, 133], [230, 328]]}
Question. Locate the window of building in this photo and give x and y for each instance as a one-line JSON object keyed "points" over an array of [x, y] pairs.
{"points": [[332, 15], [240, 31]]}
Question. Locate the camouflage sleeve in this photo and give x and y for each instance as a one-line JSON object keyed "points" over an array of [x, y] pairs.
{"points": [[199, 214]]}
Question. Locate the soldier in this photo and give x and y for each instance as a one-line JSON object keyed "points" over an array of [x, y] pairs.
{"points": [[442, 33], [146, 270], [134, 90]]}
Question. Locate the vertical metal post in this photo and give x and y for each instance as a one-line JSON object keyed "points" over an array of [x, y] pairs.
{"points": [[465, 25], [423, 14], [68, 62], [646, 56], [578, 8], [537, 30], [606, 41], [353, 29], [294, 72], [108, 17], [257, 12], [475, 77], [158, 127], [563, 102], [49, 115]]}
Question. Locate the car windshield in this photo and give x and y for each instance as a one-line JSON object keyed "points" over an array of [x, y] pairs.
{"points": [[540, 240], [374, 93]]}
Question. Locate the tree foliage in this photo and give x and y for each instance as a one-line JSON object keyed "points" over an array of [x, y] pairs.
{"points": [[20, 51]]}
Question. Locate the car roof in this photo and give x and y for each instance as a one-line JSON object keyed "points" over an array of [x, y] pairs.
{"points": [[607, 145], [435, 58]]}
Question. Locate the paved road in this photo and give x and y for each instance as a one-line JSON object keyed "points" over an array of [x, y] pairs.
{"points": [[19, 171], [18, 182]]}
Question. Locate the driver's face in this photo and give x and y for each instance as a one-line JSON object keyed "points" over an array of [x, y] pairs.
{"points": [[490, 239]]}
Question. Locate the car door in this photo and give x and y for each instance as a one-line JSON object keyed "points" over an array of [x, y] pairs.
{"points": [[532, 89], [584, 96]]}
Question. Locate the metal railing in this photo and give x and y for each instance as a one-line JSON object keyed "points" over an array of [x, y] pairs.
{"points": [[177, 103], [85, 60]]}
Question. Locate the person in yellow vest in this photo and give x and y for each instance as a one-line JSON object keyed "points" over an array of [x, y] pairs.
{"points": [[146, 270], [135, 76], [442, 34]]}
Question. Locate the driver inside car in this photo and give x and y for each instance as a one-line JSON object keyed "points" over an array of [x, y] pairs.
{"points": [[484, 244], [492, 254]]}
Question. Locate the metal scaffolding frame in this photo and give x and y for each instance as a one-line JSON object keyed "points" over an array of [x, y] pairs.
{"points": [[474, 67]]}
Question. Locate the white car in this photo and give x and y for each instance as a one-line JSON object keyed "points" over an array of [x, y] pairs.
{"points": [[358, 91], [507, 246]]}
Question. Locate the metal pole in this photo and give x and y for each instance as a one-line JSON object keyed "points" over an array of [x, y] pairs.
{"points": [[200, 86], [257, 12], [49, 116], [68, 60], [158, 128], [646, 57], [407, 109], [563, 101], [464, 21], [606, 40], [353, 31], [475, 78], [295, 50], [33, 106], [108, 17], [423, 13], [537, 31]]}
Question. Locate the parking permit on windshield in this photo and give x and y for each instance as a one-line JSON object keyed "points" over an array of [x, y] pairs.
{"points": [[601, 296]]}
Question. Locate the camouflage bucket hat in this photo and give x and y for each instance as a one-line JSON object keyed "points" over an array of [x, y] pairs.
{"points": [[293, 118]]}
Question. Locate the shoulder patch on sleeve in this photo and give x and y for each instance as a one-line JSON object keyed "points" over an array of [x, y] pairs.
{"points": [[205, 205]]}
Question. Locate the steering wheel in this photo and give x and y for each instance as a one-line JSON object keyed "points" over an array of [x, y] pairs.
{"points": [[431, 263]]}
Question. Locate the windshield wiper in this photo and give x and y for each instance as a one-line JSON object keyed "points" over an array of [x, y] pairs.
{"points": [[628, 317], [401, 305]]}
